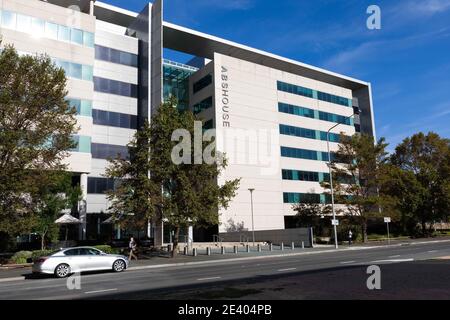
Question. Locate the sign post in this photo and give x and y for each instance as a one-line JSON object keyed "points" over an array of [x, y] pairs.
{"points": [[387, 220]]}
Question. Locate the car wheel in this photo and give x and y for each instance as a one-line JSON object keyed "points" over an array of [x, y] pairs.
{"points": [[62, 270], [118, 265]]}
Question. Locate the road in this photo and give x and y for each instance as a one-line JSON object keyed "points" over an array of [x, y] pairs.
{"points": [[320, 272]]}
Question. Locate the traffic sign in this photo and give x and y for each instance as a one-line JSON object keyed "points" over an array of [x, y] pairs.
{"points": [[335, 222], [387, 220]]}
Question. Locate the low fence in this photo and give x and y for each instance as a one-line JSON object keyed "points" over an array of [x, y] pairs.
{"points": [[286, 236]]}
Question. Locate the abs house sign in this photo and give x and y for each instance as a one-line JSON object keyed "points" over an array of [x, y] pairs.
{"points": [[225, 98]]}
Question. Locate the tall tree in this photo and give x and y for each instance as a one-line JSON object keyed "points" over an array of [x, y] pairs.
{"points": [[426, 161], [309, 211], [153, 186], [192, 195], [135, 198], [357, 170], [36, 125], [55, 195]]}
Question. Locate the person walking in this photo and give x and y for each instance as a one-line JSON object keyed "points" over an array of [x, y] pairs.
{"points": [[132, 246], [350, 235]]}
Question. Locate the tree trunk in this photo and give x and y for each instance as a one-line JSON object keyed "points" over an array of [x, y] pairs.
{"points": [[364, 231], [424, 228], [175, 241], [43, 240]]}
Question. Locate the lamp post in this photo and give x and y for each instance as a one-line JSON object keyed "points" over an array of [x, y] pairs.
{"points": [[251, 202], [356, 111]]}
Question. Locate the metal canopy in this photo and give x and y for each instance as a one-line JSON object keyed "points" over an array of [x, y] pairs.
{"points": [[203, 45]]}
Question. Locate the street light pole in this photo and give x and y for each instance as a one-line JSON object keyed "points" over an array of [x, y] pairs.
{"points": [[331, 186], [355, 112], [253, 226]]}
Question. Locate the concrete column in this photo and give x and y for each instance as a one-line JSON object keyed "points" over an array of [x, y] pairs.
{"points": [[82, 206], [91, 8], [190, 236]]}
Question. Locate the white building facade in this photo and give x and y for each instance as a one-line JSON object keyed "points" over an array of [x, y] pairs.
{"points": [[271, 114]]}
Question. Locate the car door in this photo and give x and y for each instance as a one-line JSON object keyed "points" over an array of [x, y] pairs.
{"points": [[102, 260], [88, 259], [74, 259]]}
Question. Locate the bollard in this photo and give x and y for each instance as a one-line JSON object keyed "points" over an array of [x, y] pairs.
{"points": [[270, 247], [222, 250], [235, 249], [259, 247], [194, 252], [247, 248], [208, 251], [185, 251], [303, 245], [292, 245], [282, 246]]}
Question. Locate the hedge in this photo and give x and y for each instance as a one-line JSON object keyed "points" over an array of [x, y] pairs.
{"points": [[107, 249], [21, 257]]}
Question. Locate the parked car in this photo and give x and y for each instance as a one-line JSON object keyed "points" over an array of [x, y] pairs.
{"points": [[67, 261]]}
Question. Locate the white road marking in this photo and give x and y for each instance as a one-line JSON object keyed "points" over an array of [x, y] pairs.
{"points": [[347, 262], [392, 260], [12, 279], [98, 291], [432, 251], [287, 269], [396, 256], [211, 278]]}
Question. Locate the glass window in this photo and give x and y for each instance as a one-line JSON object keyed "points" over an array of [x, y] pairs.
{"points": [[88, 39], [23, 23], [114, 55], [202, 83], [76, 36], [51, 30], [86, 108], [75, 70], [100, 117], [124, 89], [38, 27], [75, 103], [71, 252], [124, 120], [114, 119], [63, 33], [101, 53], [8, 19], [87, 73]]}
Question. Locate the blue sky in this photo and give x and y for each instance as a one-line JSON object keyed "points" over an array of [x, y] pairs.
{"points": [[407, 61]]}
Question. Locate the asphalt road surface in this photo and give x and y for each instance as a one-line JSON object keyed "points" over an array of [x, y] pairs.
{"points": [[412, 271]]}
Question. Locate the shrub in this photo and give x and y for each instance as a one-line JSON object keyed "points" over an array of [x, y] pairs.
{"points": [[21, 257], [41, 253], [107, 249]]}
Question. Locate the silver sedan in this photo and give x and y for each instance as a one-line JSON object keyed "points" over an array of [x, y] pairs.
{"points": [[70, 260]]}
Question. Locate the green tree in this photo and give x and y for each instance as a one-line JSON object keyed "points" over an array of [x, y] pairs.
{"points": [[55, 195], [425, 160], [406, 194], [153, 187], [36, 125], [357, 171], [135, 199], [191, 193], [309, 212]]}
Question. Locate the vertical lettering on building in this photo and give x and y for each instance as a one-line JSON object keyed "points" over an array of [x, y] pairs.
{"points": [[225, 98]]}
